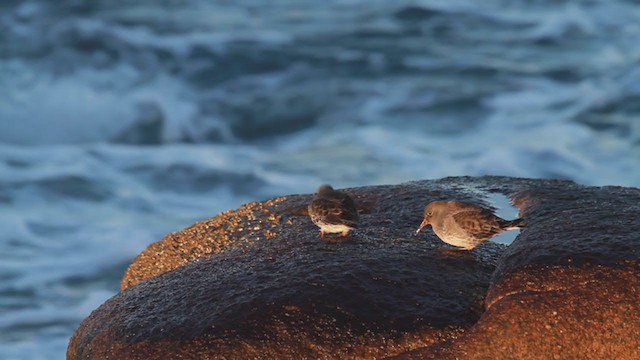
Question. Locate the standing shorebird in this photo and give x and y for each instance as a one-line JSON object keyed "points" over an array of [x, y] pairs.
{"points": [[463, 224], [333, 211]]}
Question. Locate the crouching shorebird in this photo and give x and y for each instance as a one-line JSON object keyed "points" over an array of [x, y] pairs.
{"points": [[463, 224], [333, 211]]}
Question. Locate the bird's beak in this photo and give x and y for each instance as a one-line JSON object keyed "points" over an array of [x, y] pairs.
{"points": [[424, 223]]}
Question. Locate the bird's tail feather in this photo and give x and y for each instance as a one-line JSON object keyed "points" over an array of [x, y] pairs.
{"points": [[513, 224]]}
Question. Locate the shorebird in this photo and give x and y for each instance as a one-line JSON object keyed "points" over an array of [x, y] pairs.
{"points": [[465, 225], [333, 211]]}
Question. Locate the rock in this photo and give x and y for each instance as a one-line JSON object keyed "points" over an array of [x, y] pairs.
{"points": [[259, 283], [252, 222], [568, 287]]}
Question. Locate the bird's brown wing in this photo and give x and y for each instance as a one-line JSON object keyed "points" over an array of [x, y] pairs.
{"points": [[478, 222], [349, 207], [334, 211]]}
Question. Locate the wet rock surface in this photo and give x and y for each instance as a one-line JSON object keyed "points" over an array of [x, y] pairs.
{"points": [[568, 287], [259, 282]]}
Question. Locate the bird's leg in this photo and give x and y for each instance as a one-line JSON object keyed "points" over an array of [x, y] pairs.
{"points": [[344, 233], [322, 234]]}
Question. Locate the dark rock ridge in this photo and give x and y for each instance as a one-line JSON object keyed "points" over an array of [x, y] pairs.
{"points": [[259, 283]]}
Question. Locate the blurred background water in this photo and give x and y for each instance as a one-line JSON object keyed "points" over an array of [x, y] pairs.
{"points": [[123, 120]]}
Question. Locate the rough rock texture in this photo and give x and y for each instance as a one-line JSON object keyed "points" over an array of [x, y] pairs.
{"points": [[568, 287], [259, 283], [250, 223]]}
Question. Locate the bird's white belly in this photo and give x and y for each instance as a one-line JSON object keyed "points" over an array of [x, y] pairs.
{"points": [[330, 228], [456, 240]]}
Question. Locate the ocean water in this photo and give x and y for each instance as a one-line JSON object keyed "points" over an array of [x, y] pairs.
{"points": [[122, 122]]}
